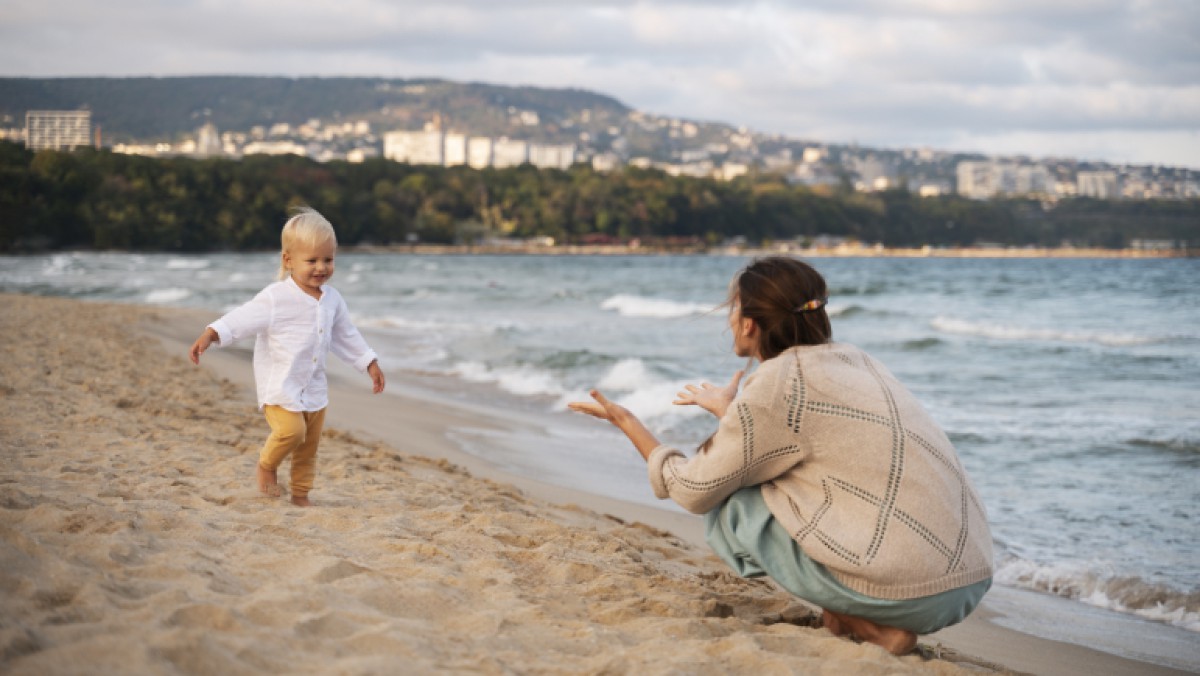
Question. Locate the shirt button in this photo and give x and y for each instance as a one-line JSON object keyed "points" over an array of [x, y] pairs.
{"points": [[314, 360]]}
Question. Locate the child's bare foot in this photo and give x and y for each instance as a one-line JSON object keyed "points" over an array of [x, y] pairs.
{"points": [[268, 482], [301, 501], [892, 639]]}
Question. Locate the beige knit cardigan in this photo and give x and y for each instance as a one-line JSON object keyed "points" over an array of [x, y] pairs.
{"points": [[851, 465]]}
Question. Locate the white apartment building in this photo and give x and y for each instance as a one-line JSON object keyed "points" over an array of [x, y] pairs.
{"points": [[58, 129], [208, 141], [274, 148], [984, 180], [455, 151], [551, 156], [415, 147], [508, 152], [976, 180], [1098, 184], [479, 152]]}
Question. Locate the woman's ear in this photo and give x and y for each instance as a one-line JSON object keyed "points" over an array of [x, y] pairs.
{"points": [[749, 328]]}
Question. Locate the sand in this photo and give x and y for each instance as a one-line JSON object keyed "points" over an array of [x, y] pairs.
{"points": [[134, 539]]}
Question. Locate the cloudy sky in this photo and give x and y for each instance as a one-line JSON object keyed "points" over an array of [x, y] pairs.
{"points": [[1113, 80]]}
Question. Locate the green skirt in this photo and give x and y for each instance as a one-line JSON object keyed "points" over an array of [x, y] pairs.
{"points": [[744, 533]]}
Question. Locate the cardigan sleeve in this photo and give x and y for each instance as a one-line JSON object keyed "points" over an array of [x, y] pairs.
{"points": [[753, 445]]}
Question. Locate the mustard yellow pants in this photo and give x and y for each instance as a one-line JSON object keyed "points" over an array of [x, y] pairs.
{"points": [[297, 435]]}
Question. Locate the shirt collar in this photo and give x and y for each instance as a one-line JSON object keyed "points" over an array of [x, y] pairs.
{"points": [[291, 282]]}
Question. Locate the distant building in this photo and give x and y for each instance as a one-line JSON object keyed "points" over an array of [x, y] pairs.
{"points": [[455, 150], [1098, 184], [208, 141], [976, 180], [814, 154], [984, 180], [358, 155], [731, 170], [479, 152], [274, 148], [551, 156], [605, 161], [415, 147], [58, 129], [509, 152]]}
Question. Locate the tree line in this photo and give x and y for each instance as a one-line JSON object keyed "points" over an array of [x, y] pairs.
{"points": [[102, 200]]}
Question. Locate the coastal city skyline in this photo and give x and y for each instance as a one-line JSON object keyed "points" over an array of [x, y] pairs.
{"points": [[1109, 81]]}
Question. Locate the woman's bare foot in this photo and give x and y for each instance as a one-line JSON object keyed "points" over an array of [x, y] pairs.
{"points": [[268, 482], [892, 639], [830, 622], [301, 501]]}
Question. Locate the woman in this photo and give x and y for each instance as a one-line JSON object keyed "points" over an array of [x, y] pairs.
{"points": [[825, 473]]}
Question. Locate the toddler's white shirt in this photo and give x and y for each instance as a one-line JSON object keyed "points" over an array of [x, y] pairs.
{"points": [[293, 334]]}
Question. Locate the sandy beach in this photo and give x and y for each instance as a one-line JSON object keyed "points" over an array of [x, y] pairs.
{"points": [[135, 541]]}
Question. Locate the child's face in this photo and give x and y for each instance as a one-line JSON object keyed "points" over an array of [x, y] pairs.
{"points": [[311, 265]]}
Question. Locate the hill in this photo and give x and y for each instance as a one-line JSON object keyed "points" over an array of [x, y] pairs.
{"points": [[164, 108]]}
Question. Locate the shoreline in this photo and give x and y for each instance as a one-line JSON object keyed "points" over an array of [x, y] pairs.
{"points": [[389, 471], [844, 251]]}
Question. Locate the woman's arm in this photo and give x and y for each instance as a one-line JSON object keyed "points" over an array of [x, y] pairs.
{"points": [[619, 416]]}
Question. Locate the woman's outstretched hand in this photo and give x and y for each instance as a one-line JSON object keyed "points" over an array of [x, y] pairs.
{"points": [[709, 397], [620, 417]]}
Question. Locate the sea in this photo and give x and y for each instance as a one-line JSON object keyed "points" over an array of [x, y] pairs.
{"points": [[1070, 387]]}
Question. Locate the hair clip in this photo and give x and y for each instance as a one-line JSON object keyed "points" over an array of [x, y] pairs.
{"points": [[814, 304]]}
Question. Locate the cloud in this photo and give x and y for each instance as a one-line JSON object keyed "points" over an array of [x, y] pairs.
{"points": [[925, 72]]}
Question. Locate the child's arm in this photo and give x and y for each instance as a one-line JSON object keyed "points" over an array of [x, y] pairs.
{"points": [[376, 376], [207, 338]]}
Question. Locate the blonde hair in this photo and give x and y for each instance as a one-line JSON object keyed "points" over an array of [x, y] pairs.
{"points": [[306, 227]]}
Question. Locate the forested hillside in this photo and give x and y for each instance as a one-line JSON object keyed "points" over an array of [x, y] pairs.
{"points": [[98, 199]]}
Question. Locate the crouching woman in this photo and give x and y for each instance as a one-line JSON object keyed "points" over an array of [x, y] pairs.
{"points": [[825, 473]]}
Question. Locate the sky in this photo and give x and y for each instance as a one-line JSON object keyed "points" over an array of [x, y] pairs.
{"points": [[1099, 80]]}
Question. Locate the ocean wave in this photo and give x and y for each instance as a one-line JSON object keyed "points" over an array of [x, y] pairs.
{"points": [[188, 263], [920, 344], [167, 296], [62, 264], [641, 391], [525, 381], [1126, 594], [641, 306], [1001, 332], [835, 310], [430, 326]]}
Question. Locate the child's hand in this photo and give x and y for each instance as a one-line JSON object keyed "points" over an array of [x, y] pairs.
{"points": [[207, 338], [709, 397], [376, 376]]}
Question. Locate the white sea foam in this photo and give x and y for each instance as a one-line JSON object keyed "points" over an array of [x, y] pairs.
{"points": [[635, 387], [61, 264], [1001, 332], [640, 306], [525, 381], [626, 375], [167, 296], [188, 263], [1095, 586]]}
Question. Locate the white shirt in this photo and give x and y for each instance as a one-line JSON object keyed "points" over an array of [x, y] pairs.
{"points": [[293, 334]]}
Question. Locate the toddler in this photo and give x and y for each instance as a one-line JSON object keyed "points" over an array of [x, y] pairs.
{"points": [[296, 322]]}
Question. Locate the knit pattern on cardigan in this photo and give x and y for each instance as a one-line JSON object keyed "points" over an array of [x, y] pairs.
{"points": [[851, 465]]}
